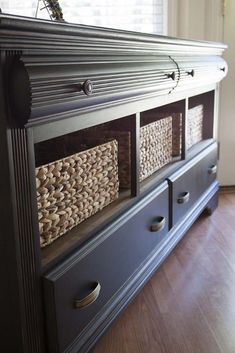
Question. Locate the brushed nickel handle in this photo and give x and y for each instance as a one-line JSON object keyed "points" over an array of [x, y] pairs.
{"points": [[158, 225], [172, 76], [89, 299], [191, 73], [86, 87], [212, 170], [184, 197]]}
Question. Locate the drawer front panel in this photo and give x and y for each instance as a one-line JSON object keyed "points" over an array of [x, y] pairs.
{"points": [[109, 265], [79, 84], [197, 70], [187, 187]]}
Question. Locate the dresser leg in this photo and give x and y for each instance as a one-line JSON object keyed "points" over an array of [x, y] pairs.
{"points": [[212, 204]]}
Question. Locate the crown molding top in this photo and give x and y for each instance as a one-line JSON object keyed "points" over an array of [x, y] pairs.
{"points": [[34, 35]]}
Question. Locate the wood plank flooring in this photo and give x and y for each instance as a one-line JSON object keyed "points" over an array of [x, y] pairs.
{"points": [[188, 306]]}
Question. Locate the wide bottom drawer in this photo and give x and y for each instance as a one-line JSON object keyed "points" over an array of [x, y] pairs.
{"points": [[76, 291]]}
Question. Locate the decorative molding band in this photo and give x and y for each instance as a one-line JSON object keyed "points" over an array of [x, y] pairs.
{"points": [[22, 33], [54, 85]]}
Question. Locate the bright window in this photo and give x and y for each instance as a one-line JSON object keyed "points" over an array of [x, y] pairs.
{"points": [[135, 15]]}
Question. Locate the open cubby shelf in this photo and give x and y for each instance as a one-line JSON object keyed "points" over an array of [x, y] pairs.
{"points": [[150, 145]]}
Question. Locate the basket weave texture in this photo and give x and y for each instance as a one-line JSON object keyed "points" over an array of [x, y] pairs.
{"points": [[124, 152], [72, 189], [176, 134], [195, 125], [155, 146]]}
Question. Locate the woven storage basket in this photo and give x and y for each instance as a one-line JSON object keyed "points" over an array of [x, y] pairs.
{"points": [[154, 115], [72, 189], [195, 125], [124, 152], [176, 134], [155, 146]]}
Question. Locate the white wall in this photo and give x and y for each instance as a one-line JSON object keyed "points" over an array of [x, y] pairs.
{"points": [[227, 108], [201, 19], [210, 20]]}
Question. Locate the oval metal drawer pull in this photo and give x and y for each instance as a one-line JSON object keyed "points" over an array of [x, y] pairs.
{"points": [[158, 225], [89, 299], [86, 87], [184, 197], [191, 73], [172, 76], [212, 170]]}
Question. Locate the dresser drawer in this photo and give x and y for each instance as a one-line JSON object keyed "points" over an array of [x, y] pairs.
{"points": [[187, 185], [77, 84], [77, 290]]}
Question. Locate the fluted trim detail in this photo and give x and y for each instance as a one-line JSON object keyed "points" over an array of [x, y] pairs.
{"points": [[28, 271], [52, 84], [41, 35]]}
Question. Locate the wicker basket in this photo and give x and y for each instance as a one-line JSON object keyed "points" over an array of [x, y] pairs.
{"points": [[176, 134], [195, 125], [72, 189], [154, 115], [124, 152], [155, 146]]}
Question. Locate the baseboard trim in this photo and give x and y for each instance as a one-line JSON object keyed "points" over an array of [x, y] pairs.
{"points": [[228, 189]]}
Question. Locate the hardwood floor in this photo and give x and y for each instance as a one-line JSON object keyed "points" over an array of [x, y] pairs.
{"points": [[189, 304]]}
